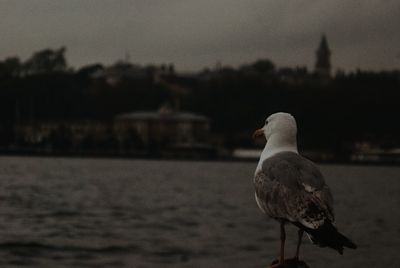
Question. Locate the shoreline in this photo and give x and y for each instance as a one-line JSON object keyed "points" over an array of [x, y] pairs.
{"points": [[186, 158]]}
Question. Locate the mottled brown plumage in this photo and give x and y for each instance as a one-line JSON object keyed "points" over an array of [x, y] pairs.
{"points": [[291, 188]]}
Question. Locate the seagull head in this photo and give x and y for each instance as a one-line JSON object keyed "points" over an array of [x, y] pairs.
{"points": [[282, 124]]}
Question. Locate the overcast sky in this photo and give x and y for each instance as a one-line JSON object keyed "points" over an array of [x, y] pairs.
{"points": [[194, 34]]}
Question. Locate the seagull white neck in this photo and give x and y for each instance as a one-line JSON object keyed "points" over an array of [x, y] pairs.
{"points": [[277, 144]]}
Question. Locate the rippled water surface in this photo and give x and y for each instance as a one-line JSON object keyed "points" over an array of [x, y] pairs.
{"points": [[132, 213]]}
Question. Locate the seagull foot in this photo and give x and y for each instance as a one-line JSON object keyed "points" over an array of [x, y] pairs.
{"points": [[276, 264], [289, 263]]}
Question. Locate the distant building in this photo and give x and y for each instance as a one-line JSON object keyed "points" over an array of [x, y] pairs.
{"points": [[66, 135], [293, 76], [164, 128], [120, 71], [323, 63], [155, 133]]}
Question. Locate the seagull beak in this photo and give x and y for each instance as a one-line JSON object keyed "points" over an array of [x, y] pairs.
{"points": [[259, 132]]}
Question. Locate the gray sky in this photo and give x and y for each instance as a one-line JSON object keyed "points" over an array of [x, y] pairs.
{"points": [[195, 34]]}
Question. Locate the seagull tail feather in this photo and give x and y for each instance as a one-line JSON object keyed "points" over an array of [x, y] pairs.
{"points": [[328, 236]]}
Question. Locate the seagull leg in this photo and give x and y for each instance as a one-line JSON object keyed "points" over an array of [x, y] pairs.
{"points": [[281, 262], [300, 233], [283, 238]]}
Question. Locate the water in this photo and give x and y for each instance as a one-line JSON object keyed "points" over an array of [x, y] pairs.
{"points": [[129, 213]]}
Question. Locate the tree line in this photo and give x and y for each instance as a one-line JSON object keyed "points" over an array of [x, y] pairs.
{"points": [[332, 113]]}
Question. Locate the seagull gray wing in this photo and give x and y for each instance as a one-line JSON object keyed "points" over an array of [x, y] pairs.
{"points": [[290, 187]]}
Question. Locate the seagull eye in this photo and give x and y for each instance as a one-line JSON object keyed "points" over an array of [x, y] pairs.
{"points": [[266, 122]]}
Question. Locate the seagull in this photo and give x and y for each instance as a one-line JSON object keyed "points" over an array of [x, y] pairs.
{"points": [[291, 189]]}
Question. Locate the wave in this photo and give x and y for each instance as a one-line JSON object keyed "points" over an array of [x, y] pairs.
{"points": [[34, 246]]}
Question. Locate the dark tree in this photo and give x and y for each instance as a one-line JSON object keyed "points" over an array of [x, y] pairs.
{"points": [[10, 67], [46, 61]]}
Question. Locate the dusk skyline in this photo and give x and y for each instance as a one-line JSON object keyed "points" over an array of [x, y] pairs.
{"points": [[194, 35]]}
